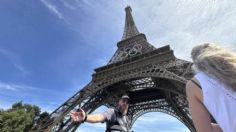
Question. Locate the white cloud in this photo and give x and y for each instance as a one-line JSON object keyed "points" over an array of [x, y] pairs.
{"points": [[157, 121], [4, 105], [53, 9], [15, 60], [15, 87], [68, 5], [7, 87], [158, 117], [13, 92], [183, 24]]}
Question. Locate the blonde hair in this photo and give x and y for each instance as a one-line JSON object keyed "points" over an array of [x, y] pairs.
{"points": [[216, 61]]}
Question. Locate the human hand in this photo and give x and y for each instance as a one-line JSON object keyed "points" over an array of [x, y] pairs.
{"points": [[78, 116]]}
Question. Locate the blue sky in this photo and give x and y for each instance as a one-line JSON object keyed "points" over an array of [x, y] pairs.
{"points": [[49, 48]]}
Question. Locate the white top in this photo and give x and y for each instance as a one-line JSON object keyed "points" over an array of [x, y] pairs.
{"points": [[219, 100]]}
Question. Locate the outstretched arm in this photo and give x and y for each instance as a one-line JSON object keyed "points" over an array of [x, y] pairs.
{"points": [[95, 118], [200, 115], [92, 118]]}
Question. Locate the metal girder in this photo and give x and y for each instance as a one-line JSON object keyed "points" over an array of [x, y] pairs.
{"points": [[150, 77]]}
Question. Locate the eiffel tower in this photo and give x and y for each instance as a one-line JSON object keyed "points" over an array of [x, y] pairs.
{"points": [[153, 78]]}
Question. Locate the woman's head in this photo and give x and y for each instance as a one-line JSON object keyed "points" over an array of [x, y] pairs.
{"points": [[217, 61]]}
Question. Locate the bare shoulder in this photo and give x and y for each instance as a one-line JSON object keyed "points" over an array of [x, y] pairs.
{"points": [[190, 87], [193, 90], [190, 82]]}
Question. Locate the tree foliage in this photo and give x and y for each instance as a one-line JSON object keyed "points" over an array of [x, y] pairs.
{"points": [[20, 118]]}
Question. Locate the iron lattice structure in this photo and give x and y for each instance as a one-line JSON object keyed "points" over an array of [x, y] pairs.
{"points": [[153, 77]]}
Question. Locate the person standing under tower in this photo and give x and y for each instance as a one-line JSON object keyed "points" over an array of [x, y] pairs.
{"points": [[116, 118], [212, 91]]}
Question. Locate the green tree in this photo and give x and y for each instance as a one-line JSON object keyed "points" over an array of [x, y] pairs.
{"points": [[20, 118]]}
